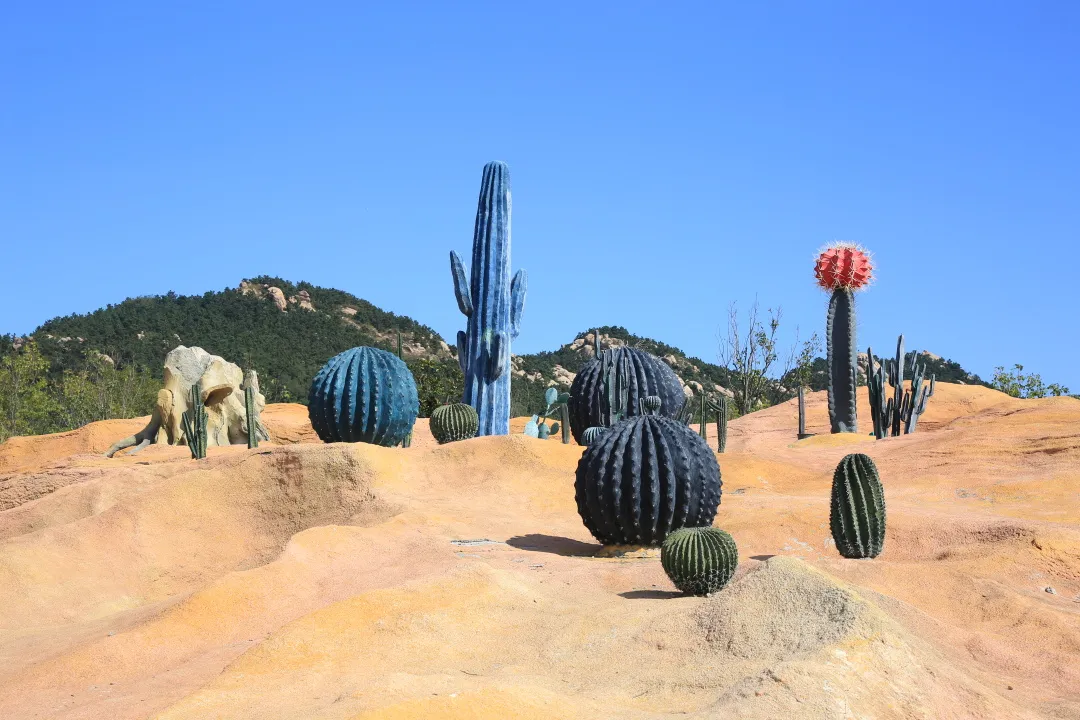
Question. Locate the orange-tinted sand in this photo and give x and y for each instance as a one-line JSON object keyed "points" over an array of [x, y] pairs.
{"points": [[356, 582]]}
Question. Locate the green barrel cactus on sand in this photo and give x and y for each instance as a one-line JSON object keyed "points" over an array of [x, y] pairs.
{"points": [[699, 560], [451, 423], [857, 509]]}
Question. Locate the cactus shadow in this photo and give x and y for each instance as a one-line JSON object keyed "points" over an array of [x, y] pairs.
{"points": [[554, 544], [650, 594]]}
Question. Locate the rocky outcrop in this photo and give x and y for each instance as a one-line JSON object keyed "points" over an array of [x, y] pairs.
{"points": [[222, 396]]}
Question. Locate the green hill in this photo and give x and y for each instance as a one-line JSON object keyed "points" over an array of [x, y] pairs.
{"points": [[286, 331]]}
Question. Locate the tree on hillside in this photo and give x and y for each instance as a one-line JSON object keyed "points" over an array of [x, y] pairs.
{"points": [[25, 402], [749, 353], [1019, 385]]}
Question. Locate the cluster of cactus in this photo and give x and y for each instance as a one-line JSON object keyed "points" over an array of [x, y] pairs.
{"points": [[857, 508], [842, 269], [493, 304], [363, 395], [194, 420], [611, 385], [644, 478], [451, 423], [899, 413], [538, 426], [707, 404], [699, 560]]}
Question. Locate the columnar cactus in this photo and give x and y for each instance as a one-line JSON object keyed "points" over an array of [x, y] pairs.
{"points": [[802, 415], [251, 417], [451, 423], [363, 395], [612, 386], [699, 560], [842, 269], [493, 304], [901, 412], [857, 516], [721, 422], [644, 478], [194, 420]]}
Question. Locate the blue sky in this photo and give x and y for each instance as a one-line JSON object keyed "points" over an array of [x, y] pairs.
{"points": [[666, 159]]}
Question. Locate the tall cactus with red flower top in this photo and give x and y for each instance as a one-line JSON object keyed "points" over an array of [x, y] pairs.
{"points": [[842, 268]]}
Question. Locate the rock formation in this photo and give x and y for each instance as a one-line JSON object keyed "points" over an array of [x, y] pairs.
{"points": [[222, 394]]}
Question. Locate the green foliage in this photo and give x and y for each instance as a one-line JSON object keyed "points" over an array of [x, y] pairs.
{"points": [[699, 560], [1018, 385], [437, 381]]}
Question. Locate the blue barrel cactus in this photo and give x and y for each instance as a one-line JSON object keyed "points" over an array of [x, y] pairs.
{"points": [[493, 304], [363, 395]]}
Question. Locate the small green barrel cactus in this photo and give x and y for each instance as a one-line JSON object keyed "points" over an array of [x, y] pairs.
{"points": [[591, 435], [857, 517], [699, 560], [450, 423]]}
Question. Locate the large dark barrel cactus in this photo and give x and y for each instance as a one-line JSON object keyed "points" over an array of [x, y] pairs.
{"points": [[842, 269], [644, 478], [641, 375], [363, 395], [857, 510]]}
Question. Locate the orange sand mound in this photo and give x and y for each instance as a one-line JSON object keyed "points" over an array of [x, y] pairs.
{"points": [[357, 582]]}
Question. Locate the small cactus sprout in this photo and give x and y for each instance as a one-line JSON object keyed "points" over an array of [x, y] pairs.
{"points": [[857, 509], [651, 405], [699, 560], [591, 435], [842, 269], [532, 428], [452, 423]]}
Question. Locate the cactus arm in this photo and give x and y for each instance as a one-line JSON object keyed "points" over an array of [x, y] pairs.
{"points": [[518, 286], [461, 285]]}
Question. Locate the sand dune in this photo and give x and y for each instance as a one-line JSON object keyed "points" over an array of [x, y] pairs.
{"points": [[302, 580]]}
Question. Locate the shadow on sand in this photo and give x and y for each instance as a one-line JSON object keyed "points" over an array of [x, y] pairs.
{"points": [[554, 545], [650, 594]]}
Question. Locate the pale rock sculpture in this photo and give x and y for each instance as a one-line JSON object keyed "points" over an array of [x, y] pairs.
{"points": [[222, 385]]}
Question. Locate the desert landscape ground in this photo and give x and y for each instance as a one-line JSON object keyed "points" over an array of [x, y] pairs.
{"points": [[303, 580]]}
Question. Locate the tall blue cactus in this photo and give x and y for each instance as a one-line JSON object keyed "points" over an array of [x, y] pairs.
{"points": [[492, 303]]}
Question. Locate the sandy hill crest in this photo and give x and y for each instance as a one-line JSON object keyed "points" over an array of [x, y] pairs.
{"points": [[302, 580]]}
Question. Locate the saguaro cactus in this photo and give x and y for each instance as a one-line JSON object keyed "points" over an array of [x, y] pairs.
{"points": [[492, 302], [842, 269]]}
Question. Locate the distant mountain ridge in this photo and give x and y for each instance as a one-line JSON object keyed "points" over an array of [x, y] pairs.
{"points": [[286, 331]]}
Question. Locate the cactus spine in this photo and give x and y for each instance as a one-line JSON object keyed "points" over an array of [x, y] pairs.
{"points": [[194, 421], [699, 560], [492, 302], [857, 516]]}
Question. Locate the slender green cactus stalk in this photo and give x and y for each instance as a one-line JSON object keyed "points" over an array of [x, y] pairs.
{"points": [[194, 421], [699, 560], [564, 414], [857, 516], [686, 414], [802, 415], [721, 422], [703, 414], [251, 417], [875, 385], [896, 379]]}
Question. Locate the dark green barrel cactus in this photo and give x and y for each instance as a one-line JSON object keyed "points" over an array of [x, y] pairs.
{"points": [[363, 395], [450, 423], [857, 516], [699, 560], [842, 269], [626, 371], [644, 478]]}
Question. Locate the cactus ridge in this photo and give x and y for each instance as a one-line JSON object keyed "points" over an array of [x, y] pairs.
{"points": [[843, 361], [857, 508], [699, 560], [644, 478], [363, 395], [451, 423], [640, 374]]}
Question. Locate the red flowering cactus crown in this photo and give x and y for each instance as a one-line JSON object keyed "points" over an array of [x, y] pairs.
{"points": [[843, 265]]}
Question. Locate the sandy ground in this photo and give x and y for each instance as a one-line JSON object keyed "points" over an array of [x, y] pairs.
{"points": [[302, 580]]}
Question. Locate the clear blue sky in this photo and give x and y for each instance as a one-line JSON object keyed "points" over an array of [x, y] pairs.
{"points": [[666, 159]]}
